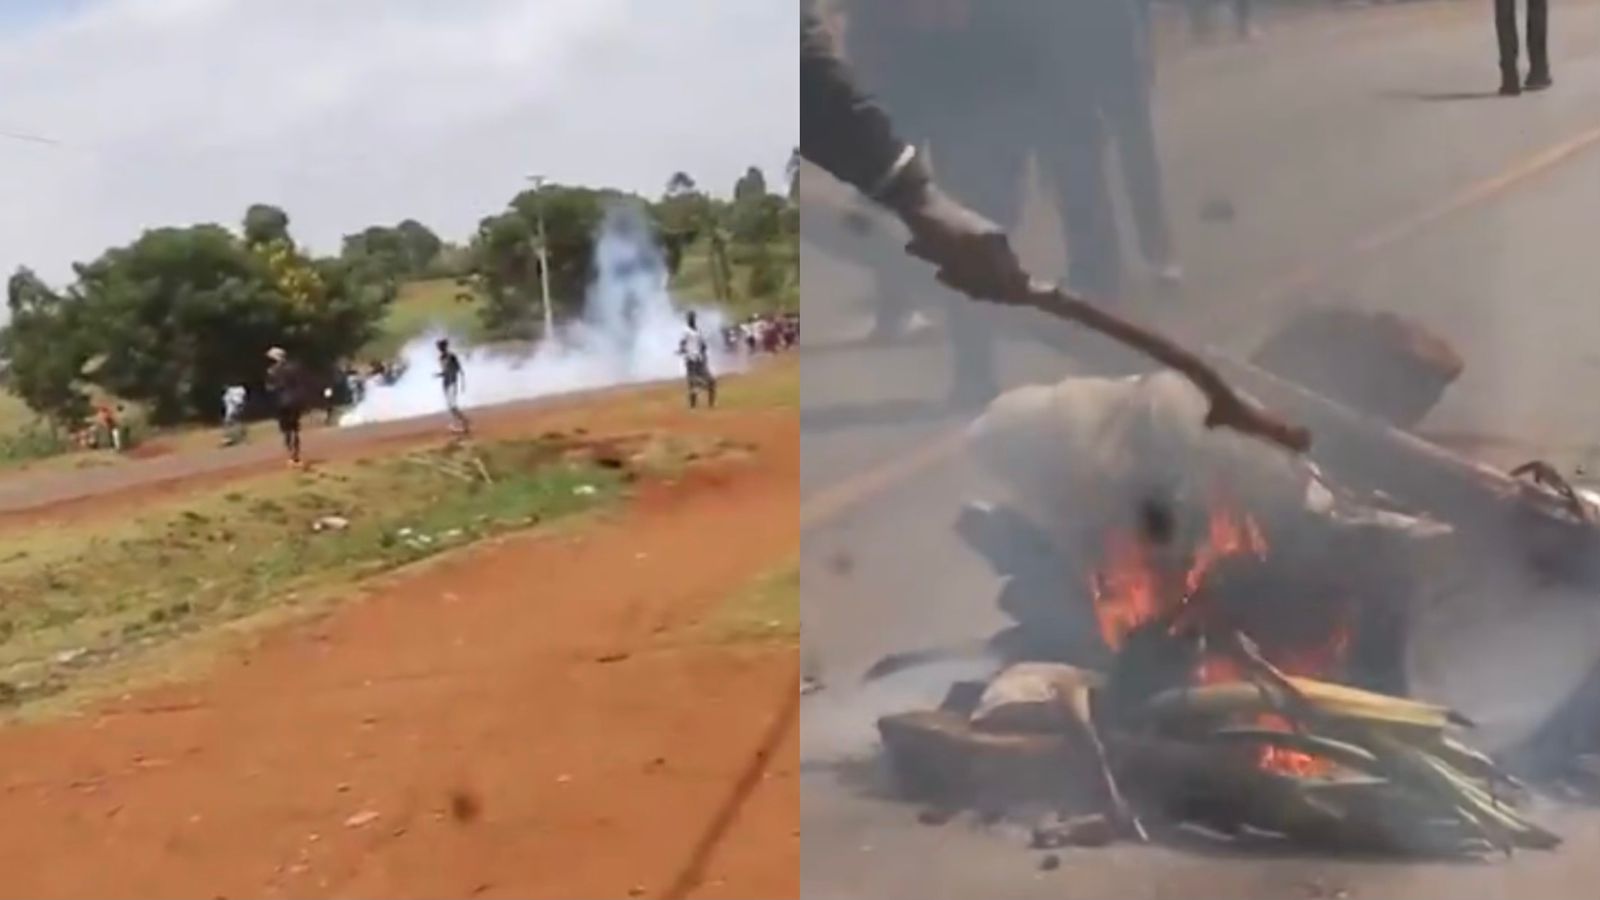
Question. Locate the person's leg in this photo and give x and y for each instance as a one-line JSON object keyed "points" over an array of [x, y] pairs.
{"points": [[1505, 30], [982, 164], [1076, 157], [1242, 10], [289, 427], [1129, 119], [1538, 44], [1199, 18]]}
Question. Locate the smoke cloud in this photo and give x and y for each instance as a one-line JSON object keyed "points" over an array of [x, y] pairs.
{"points": [[628, 333]]}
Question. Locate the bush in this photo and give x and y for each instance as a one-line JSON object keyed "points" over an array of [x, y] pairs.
{"points": [[766, 276], [35, 441]]}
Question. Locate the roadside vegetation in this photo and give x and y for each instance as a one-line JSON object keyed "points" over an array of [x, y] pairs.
{"points": [[161, 325], [103, 591]]}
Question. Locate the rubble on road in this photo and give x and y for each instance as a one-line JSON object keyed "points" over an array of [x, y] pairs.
{"points": [[1213, 634]]}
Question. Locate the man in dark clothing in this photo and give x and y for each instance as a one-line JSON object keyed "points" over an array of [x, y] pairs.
{"points": [[1505, 29], [454, 379], [1104, 60], [852, 139], [287, 384], [968, 118]]}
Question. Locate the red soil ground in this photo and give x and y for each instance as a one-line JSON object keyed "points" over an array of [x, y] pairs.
{"points": [[543, 716]]}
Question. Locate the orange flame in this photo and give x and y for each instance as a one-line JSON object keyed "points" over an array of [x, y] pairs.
{"points": [[1125, 590], [1129, 589]]}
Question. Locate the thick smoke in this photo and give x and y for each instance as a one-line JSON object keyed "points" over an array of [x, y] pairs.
{"points": [[628, 333]]}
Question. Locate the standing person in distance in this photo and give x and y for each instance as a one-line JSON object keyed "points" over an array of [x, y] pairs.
{"points": [[287, 385], [697, 368], [454, 379], [1505, 31], [233, 400]]}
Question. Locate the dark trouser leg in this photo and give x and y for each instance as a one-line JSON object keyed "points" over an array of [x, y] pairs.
{"points": [[1076, 157], [981, 164], [1241, 16], [1128, 117], [1505, 31], [1538, 35]]}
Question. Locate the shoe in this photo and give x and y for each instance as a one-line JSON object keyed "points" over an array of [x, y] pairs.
{"points": [[1510, 89], [1537, 81]]}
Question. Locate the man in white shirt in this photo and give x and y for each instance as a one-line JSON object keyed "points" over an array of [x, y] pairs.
{"points": [[692, 347], [233, 400]]}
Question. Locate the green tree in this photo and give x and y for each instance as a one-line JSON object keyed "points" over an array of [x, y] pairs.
{"points": [[682, 216], [407, 250], [44, 353], [180, 313], [264, 224], [751, 184], [377, 253], [757, 221], [421, 245], [507, 268], [505, 253], [680, 183]]}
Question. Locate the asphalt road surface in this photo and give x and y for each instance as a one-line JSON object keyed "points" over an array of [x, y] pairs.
{"points": [[1366, 161]]}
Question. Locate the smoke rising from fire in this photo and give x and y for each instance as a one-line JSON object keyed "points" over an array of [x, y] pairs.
{"points": [[628, 333], [841, 721]]}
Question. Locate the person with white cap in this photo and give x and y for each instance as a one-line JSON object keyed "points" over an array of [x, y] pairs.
{"points": [[286, 383]]}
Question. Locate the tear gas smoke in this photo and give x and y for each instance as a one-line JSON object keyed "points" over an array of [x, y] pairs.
{"points": [[628, 333]]}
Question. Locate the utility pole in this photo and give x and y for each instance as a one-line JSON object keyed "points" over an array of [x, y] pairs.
{"points": [[544, 259]]}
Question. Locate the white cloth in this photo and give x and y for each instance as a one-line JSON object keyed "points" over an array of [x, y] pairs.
{"points": [[233, 400], [692, 345]]}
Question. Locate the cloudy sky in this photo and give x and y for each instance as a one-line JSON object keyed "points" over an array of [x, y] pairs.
{"points": [[120, 115]]}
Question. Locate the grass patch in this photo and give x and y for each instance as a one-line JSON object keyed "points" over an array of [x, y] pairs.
{"points": [[14, 414], [768, 609], [29, 442], [423, 306], [775, 385], [693, 281], [70, 599]]}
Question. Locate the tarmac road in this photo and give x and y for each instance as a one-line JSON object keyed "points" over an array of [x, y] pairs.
{"points": [[1367, 162]]}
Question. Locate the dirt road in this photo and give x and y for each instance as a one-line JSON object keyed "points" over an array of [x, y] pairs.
{"points": [[547, 715]]}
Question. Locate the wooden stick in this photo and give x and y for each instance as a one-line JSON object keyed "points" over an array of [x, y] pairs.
{"points": [[1229, 409]]}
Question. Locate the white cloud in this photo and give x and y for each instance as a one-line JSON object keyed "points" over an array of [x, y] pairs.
{"points": [[354, 112]]}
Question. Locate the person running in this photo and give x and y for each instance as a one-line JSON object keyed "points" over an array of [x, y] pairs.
{"points": [[233, 400], [454, 379], [286, 382], [697, 369]]}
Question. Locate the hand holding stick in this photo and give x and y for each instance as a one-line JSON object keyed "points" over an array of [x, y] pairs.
{"points": [[975, 256]]}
